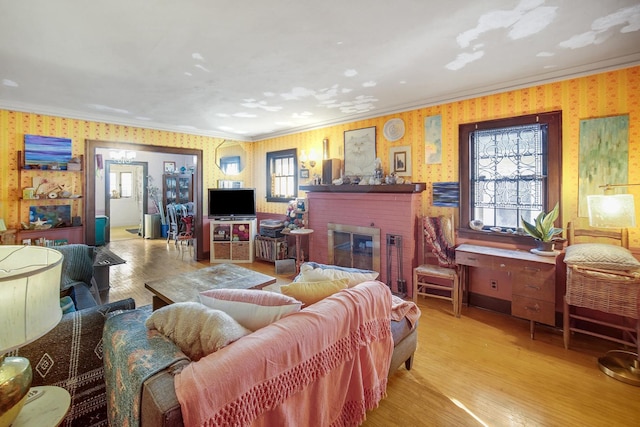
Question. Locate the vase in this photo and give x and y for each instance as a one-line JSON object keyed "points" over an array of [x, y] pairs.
{"points": [[545, 246]]}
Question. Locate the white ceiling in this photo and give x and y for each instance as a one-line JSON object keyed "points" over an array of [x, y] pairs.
{"points": [[253, 69]]}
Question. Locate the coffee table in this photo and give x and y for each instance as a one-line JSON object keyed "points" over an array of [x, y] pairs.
{"points": [[187, 287]]}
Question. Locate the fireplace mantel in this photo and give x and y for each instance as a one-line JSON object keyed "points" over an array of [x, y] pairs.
{"points": [[416, 187]]}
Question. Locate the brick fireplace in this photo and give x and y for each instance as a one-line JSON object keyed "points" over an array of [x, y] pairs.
{"points": [[393, 209]]}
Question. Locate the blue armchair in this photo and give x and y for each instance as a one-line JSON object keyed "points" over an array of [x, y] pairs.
{"points": [[77, 275]]}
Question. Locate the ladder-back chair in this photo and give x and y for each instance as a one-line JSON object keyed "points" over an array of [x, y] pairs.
{"points": [[439, 278], [601, 282]]}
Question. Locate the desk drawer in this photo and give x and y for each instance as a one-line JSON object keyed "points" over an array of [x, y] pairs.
{"points": [[535, 283], [534, 309], [474, 260]]}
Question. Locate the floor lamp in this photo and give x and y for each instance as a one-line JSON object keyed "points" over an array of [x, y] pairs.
{"points": [[29, 308], [616, 211]]}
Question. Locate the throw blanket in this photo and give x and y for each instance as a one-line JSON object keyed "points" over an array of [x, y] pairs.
{"points": [[436, 230], [131, 355], [324, 366], [401, 308], [77, 265]]}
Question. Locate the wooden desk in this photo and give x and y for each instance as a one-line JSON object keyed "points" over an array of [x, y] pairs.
{"points": [[533, 279]]}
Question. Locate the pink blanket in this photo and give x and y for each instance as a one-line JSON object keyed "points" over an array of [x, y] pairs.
{"points": [[326, 365], [401, 308]]}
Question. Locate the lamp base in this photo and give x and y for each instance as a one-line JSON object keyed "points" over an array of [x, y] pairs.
{"points": [[621, 365], [15, 380]]}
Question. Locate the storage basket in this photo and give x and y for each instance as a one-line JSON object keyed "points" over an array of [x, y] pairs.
{"points": [[615, 293]]}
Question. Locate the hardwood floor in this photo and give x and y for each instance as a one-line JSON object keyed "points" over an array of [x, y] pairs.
{"points": [[479, 370]]}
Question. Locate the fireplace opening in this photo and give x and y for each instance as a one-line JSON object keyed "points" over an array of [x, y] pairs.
{"points": [[354, 246]]}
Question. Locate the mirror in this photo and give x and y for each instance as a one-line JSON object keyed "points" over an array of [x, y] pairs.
{"points": [[231, 157]]}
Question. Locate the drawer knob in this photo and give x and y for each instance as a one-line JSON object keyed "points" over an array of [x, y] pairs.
{"points": [[535, 308], [503, 265]]}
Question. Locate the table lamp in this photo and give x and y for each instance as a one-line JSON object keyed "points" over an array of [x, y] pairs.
{"points": [[29, 308]]}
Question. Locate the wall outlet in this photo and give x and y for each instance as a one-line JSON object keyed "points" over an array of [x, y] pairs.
{"points": [[494, 285]]}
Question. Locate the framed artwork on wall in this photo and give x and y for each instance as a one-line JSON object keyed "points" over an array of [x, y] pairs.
{"points": [[359, 151], [304, 173], [400, 160], [433, 140], [47, 150], [602, 138], [169, 167]]}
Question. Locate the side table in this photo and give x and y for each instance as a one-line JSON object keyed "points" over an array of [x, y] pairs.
{"points": [[47, 409], [299, 232]]}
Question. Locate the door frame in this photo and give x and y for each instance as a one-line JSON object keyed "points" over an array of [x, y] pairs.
{"points": [[91, 145]]}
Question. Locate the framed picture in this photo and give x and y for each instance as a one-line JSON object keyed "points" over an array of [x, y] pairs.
{"points": [[304, 173], [602, 138], [360, 151], [47, 150], [400, 160], [446, 194], [433, 140], [169, 167]]}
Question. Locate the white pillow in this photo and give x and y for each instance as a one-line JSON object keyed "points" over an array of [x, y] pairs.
{"points": [[600, 255], [323, 274], [252, 308], [198, 330]]}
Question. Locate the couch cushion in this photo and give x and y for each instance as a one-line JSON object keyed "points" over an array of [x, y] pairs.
{"points": [[311, 292], [252, 308], [197, 329], [600, 255], [314, 272]]}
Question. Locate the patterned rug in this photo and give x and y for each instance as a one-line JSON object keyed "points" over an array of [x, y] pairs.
{"points": [[70, 356], [133, 230]]}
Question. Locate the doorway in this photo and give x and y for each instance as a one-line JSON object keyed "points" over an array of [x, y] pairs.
{"points": [[94, 164], [125, 199]]}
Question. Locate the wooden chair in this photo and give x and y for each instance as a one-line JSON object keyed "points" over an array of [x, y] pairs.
{"points": [[440, 278], [607, 291]]}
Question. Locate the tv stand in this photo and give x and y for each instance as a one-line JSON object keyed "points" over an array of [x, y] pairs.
{"points": [[232, 240]]}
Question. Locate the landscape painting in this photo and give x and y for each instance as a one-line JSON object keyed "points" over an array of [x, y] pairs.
{"points": [[46, 150], [602, 138], [56, 215]]}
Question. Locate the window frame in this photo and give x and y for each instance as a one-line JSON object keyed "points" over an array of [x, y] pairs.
{"points": [[553, 120], [274, 155]]}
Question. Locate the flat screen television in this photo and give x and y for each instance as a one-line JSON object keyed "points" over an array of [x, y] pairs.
{"points": [[232, 203]]}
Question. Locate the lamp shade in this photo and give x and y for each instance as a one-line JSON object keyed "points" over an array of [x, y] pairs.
{"points": [[29, 294], [614, 211]]}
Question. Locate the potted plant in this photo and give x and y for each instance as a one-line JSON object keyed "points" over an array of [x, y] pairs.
{"points": [[543, 230]]}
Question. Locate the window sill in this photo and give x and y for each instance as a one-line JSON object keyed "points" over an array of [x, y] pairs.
{"points": [[490, 236]]}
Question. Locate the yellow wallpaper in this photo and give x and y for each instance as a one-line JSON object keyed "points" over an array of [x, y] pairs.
{"points": [[13, 126], [605, 94]]}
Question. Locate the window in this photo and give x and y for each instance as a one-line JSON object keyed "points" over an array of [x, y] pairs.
{"points": [[120, 184], [282, 179], [509, 168], [230, 165]]}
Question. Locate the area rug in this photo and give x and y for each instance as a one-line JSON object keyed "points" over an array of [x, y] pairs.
{"points": [[133, 230], [71, 356]]}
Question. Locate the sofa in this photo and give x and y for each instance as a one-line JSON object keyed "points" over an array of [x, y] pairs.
{"points": [[70, 356], [357, 378]]}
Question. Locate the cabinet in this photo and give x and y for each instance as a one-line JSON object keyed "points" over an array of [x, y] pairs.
{"points": [[270, 248], [177, 188], [60, 204], [533, 279], [232, 240]]}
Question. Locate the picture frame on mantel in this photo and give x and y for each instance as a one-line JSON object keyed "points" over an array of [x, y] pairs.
{"points": [[359, 151]]}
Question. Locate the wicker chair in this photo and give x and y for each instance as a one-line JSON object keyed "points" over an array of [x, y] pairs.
{"points": [[441, 280], [607, 291]]}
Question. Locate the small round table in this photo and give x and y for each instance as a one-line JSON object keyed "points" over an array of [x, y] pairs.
{"points": [[47, 409], [299, 232]]}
